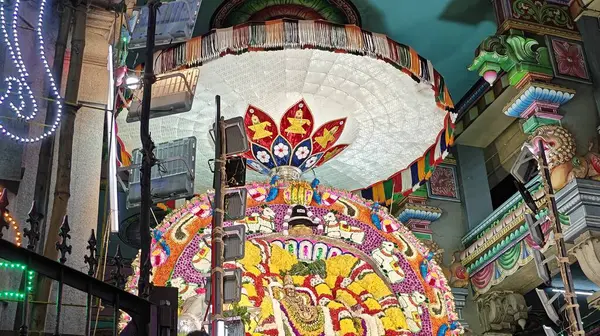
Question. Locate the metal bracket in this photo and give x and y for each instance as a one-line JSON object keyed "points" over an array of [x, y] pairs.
{"points": [[158, 162], [173, 75]]}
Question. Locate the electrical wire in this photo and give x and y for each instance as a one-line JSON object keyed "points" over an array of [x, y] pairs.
{"points": [[583, 318]]}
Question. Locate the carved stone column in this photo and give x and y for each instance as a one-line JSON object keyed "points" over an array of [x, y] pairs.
{"points": [[529, 70], [529, 64], [86, 163], [417, 215], [587, 251], [501, 313], [460, 301]]}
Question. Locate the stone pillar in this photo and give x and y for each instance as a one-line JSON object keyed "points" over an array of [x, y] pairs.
{"points": [[474, 184], [529, 70], [417, 215], [502, 313], [587, 251], [86, 164], [580, 201], [460, 301]]}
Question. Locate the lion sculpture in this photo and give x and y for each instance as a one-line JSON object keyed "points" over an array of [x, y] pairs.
{"points": [[561, 153]]}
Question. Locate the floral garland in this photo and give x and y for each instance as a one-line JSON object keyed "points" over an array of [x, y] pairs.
{"points": [[194, 216]]}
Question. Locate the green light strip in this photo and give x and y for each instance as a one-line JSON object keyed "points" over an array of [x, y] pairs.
{"points": [[16, 295]]}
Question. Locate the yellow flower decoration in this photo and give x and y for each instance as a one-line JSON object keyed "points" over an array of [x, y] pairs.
{"points": [[397, 318], [266, 309], [330, 279], [388, 324], [335, 305], [342, 295], [250, 289], [323, 289], [356, 288], [372, 304], [347, 326], [281, 260], [252, 256], [340, 265], [374, 285], [298, 280]]}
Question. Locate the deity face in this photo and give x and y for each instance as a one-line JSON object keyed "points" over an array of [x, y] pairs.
{"points": [[334, 130], [288, 286], [255, 119], [290, 291], [299, 114]]}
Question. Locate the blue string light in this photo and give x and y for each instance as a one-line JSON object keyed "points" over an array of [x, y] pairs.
{"points": [[20, 83]]}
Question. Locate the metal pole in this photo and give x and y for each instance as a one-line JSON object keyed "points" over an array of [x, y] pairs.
{"points": [[59, 304], [148, 159], [217, 225], [571, 306], [24, 327]]}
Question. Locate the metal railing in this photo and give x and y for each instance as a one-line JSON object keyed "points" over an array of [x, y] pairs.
{"points": [[145, 314]]}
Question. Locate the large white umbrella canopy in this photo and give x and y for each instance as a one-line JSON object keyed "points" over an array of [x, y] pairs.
{"points": [[391, 119]]}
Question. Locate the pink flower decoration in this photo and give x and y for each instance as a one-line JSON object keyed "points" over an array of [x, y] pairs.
{"points": [[158, 258]]}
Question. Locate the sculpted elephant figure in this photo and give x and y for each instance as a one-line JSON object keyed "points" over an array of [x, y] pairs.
{"points": [[502, 311], [563, 162]]}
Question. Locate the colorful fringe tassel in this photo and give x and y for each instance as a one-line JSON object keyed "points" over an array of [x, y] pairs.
{"points": [[300, 34], [412, 178]]}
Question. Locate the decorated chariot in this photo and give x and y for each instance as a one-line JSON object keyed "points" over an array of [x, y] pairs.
{"points": [[324, 106]]}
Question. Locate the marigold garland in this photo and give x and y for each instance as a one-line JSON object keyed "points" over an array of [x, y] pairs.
{"points": [[350, 282]]}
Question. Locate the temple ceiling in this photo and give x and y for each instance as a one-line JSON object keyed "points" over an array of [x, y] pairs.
{"points": [[447, 32]]}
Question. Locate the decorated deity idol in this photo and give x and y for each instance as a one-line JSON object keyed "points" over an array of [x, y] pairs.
{"points": [[317, 260]]}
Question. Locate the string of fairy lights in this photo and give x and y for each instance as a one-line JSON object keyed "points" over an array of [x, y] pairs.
{"points": [[8, 295], [26, 110], [13, 223]]}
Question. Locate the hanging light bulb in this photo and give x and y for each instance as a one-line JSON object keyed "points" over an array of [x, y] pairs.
{"points": [[132, 82]]}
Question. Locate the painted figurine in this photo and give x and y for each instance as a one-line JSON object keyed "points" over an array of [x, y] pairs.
{"points": [[389, 262], [341, 229], [412, 306]]}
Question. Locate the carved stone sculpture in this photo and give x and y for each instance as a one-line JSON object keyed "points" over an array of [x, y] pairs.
{"points": [[561, 154], [587, 250], [458, 276], [501, 312], [515, 54]]}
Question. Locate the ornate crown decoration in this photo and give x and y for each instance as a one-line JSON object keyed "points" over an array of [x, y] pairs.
{"points": [[292, 143]]}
